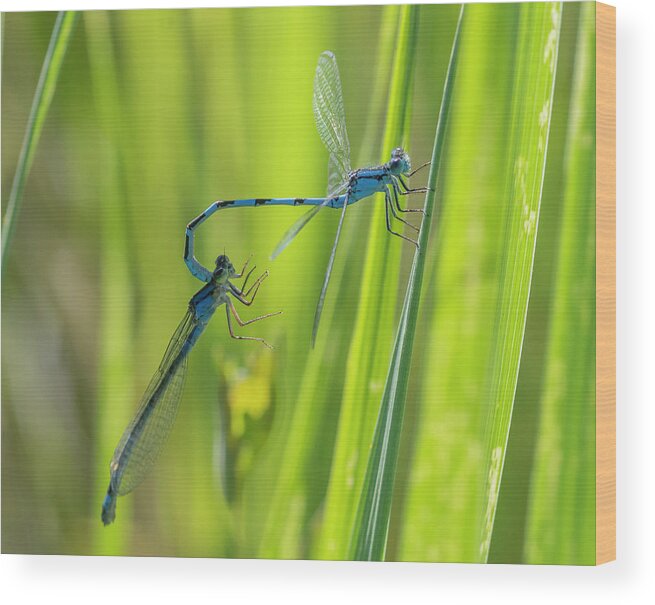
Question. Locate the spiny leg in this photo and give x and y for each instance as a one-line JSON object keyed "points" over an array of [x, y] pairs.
{"points": [[407, 190], [245, 281], [236, 336], [387, 205], [255, 286], [247, 322], [243, 296], [243, 270], [402, 220], [231, 309], [417, 190], [398, 191], [413, 172]]}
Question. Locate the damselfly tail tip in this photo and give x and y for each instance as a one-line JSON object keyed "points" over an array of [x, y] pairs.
{"points": [[109, 507]]}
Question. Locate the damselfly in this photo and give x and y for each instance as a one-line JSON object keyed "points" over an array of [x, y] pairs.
{"points": [[345, 186], [143, 439]]}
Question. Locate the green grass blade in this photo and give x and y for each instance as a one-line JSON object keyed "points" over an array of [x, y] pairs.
{"points": [[367, 363], [475, 320], [45, 90], [507, 544], [115, 396], [561, 522], [370, 531], [444, 481], [539, 26], [297, 490]]}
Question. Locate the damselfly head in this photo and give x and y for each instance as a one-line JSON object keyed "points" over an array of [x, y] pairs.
{"points": [[224, 268], [399, 162]]}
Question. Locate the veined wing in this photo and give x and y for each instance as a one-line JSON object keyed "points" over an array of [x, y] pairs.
{"points": [[295, 228], [300, 223], [328, 273], [331, 120], [145, 436], [337, 182]]}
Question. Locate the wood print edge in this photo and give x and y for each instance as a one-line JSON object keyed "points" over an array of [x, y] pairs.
{"points": [[605, 283]]}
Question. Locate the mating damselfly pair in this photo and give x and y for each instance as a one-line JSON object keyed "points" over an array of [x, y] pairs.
{"points": [[143, 439]]}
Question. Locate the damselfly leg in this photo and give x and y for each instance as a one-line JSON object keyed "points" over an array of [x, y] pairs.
{"points": [[387, 207], [413, 172], [242, 296], [230, 308], [395, 206], [243, 270]]}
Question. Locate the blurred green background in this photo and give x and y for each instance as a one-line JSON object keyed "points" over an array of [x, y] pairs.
{"points": [[157, 114]]}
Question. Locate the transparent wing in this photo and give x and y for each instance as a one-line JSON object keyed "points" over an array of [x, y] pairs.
{"points": [[337, 181], [145, 436], [296, 227], [328, 273], [331, 119]]}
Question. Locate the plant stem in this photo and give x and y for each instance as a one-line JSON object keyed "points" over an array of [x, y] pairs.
{"points": [[45, 89], [370, 537]]}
